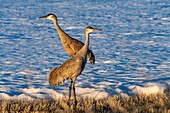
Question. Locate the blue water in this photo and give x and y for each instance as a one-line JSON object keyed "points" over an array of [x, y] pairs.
{"points": [[132, 49]]}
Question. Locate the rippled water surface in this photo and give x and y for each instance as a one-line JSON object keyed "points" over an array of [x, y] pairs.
{"points": [[132, 51]]}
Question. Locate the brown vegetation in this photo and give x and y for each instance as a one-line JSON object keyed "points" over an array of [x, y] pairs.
{"points": [[132, 104]]}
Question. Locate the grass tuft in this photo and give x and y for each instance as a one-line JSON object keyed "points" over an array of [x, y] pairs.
{"points": [[132, 104]]}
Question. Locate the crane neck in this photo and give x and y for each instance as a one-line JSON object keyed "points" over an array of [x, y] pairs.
{"points": [[56, 24], [83, 50], [62, 34], [86, 45]]}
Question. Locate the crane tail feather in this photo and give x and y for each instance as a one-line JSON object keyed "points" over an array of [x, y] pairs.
{"points": [[90, 56]]}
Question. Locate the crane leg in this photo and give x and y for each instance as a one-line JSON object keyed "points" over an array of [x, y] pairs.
{"points": [[70, 90], [74, 92]]}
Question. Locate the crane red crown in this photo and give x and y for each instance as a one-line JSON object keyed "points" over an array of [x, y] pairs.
{"points": [[89, 27], [50, 14]]}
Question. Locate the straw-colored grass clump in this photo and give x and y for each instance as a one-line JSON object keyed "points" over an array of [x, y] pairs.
{"points": [[131, 104]]}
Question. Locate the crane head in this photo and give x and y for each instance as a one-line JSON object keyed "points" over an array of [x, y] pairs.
{"points": [[50, 16], [90, 29]]}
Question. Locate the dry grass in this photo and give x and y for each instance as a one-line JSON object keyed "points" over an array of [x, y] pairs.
{"points": [[132, 104]]}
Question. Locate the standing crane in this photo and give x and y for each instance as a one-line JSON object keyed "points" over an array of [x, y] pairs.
{"points": [[71, 45], [72, 67]]}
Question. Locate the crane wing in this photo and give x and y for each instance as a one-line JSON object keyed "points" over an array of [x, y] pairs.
{"points": [[68, 70]]}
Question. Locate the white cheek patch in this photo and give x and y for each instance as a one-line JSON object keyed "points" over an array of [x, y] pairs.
{"points": [[49, 17]]}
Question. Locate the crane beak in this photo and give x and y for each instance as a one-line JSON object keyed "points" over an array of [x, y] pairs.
{"points": [[97, 29], [43, 16]]}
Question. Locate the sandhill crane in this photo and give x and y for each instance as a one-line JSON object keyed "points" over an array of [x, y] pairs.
{"points": [[72, 67], [71, 45]]}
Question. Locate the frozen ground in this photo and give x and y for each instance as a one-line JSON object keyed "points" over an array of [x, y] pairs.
{"points": [[132, 52]]}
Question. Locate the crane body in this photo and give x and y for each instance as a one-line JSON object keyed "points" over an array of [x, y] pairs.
{"points": [[71, 45]]}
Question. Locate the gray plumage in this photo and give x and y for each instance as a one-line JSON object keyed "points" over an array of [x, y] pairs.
{"points": [[71, 45], [72, 67], [68, 70]]}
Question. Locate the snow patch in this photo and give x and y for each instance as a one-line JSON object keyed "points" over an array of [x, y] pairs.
{"points": [[150, 88]]}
